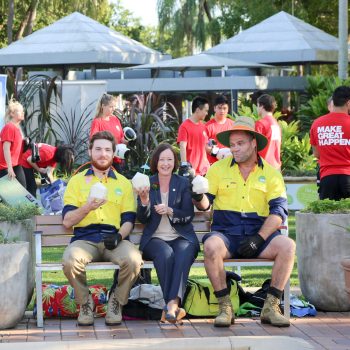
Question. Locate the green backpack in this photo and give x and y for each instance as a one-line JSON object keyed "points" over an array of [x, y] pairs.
{"points": [[199, 299]]}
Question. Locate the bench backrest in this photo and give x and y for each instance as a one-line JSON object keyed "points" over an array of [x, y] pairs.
{"points": [[54, 234]]}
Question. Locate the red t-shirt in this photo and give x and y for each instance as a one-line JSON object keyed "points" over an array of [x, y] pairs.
{"points": [[196, 137], [213, 128], [112, 125], [331, 135], [12, 134], [268, 126], [46, 153]]}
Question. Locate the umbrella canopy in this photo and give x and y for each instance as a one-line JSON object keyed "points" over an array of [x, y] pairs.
{"points": [[281, 39], [77, 40], [200, 61]]}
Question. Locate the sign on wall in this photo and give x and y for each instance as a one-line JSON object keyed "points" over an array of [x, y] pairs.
{"points": [[301, 194]]}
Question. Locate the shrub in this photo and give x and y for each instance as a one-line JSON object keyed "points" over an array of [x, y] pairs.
{"points": [[328, 206], [296, 152], [314, 102], [19, 212]]}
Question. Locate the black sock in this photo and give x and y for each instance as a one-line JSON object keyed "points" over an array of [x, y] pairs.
{"points": [[221, 293], [275, 292]]}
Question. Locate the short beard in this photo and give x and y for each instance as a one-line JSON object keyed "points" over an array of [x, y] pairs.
{"points": [[99, 167]]}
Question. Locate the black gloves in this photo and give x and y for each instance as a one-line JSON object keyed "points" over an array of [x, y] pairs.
{"points": [[111, 240], [249, 246]]}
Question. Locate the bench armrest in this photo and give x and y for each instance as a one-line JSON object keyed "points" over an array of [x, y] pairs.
{"points": [[38, 251]]}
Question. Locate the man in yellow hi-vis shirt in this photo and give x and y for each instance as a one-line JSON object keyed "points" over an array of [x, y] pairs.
{"points": [[249, 204], [101, 218]]}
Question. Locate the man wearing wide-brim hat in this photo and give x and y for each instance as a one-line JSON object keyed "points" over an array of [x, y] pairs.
{"points": [[249, 204]]}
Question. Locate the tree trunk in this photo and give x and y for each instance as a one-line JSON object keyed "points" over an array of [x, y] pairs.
{"points": [[26, 26], [31, 17], [10, 21]]}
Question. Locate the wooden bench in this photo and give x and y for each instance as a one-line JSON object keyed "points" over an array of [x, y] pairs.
{"points": [[51, 233]]}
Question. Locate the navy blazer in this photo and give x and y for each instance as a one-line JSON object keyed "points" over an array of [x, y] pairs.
{"points": [[179, 199]]}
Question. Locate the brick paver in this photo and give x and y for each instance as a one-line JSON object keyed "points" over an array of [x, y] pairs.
{"points": [[325, 331]]}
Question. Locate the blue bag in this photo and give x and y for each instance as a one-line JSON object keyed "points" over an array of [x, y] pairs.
{"points": [[52, 196]]}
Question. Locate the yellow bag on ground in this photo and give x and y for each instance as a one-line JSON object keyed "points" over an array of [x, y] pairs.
{"points": [[199, 299]]}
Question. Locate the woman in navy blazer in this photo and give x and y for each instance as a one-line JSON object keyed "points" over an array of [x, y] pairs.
{"points": [[168, 238]]}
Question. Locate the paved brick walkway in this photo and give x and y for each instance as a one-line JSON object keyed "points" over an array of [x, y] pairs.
{"points": [[326, 331]]}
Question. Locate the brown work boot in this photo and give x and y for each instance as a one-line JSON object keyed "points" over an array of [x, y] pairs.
{"points": [[114, 311], [226, 315], [271, 313], [86, 313]]}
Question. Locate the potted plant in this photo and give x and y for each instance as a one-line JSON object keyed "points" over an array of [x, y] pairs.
{"points": [[345, 263], [322, 242], [16, 261]]}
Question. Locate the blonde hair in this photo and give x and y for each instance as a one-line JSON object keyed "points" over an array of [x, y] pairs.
{"points": [[104, 100], [12, 105]]}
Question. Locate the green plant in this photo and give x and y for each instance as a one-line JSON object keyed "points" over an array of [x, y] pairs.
{"points": [[73, 129], [19, 212], [38, 95], [296, 152], [154, 121], [314, 102], [328, 206]]}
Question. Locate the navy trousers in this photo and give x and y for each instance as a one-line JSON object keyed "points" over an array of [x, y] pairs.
{"points": [[172, 261]]}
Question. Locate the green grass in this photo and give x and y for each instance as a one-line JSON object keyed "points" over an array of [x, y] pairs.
{"points": [[251, 276]]}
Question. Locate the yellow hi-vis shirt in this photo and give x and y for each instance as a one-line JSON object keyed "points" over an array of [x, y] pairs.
{"points": [[241, 205], [120, 200]]}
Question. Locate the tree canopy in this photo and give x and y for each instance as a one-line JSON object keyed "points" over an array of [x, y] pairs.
{"points": [[200, 24]]}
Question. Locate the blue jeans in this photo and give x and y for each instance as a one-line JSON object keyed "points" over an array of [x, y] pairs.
{"points": [[172, 261]]}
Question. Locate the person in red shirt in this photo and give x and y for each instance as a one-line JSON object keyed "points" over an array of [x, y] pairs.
{"points": [[106, 121], [269, 127], [48, 157], [220, 122], [330, 140], [192, 138], [11, 144]]}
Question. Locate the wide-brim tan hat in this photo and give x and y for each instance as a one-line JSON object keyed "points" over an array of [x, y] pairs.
{"points": [[243, 124]]}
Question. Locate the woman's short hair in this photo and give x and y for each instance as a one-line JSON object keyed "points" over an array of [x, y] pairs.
{"points": [[156, 154], [12, 105]]}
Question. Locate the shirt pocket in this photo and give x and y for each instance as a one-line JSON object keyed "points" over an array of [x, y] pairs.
{"points": [[258, 197], [227, 186]]}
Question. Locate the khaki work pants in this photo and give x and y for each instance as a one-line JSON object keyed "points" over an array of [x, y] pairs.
{"points": [[79, 253]]}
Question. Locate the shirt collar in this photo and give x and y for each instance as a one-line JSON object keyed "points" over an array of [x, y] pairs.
{"points": [[110, 174], [260, 162]]}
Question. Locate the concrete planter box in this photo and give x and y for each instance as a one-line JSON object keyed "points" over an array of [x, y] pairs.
{"points": [[14, 260], [321, 246], [346, 267], [23, 231]]}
